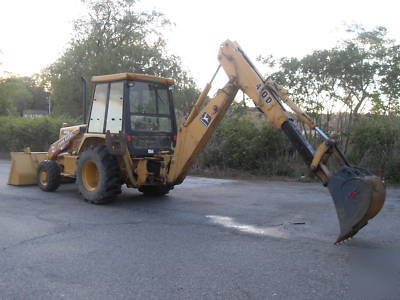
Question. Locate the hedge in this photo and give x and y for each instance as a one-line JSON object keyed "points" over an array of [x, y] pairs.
{"points": [[242, 144], [38, 133]]}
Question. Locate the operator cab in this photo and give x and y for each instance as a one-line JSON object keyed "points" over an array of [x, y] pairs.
{"points": [[138, 105]]}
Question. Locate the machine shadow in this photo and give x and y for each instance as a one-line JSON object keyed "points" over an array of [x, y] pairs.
{"points": [[128, 198]]}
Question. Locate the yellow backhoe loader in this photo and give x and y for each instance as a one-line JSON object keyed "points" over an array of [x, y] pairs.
{"points": [[131, 138]]}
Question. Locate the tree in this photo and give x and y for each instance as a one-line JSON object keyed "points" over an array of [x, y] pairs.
{"points": [[114, 37], [185, 94], [388, 102], [360, 73], [20, 93], [356, 66], [347, 73], [307, 80]]}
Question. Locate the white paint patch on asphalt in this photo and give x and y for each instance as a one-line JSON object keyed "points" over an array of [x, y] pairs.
{"points": [[195, 182], [229, 222]]}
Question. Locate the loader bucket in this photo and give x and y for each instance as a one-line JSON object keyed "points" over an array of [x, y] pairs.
{"points": [[358, 196], [24, 166]]}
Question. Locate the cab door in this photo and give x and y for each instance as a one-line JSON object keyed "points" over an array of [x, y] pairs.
{"points": [[107, 107]]}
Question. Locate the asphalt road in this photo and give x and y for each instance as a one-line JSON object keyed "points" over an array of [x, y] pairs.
{"points": [[208, 239]]}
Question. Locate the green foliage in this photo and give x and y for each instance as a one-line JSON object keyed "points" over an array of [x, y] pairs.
{"points": [[375, 144], [235, 146], [38, 133], [388, 102], [114, 37], [362, 69], [19, 93], [239, 144], [361, 73], [185, 95]]}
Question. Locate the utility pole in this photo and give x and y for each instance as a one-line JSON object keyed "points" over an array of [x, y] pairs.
{"points": [[49, 101]]}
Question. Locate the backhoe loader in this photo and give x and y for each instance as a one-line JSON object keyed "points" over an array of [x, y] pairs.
{"points": [[131, 138]]}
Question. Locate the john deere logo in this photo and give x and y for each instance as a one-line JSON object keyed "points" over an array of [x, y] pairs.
{"points": [[205, 119]]}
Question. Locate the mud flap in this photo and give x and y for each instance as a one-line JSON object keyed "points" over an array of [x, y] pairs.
{"points": [[358, 196], [116, 143]]}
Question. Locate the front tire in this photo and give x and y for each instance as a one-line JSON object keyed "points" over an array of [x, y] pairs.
{"points": [[48, 176], [98, 176]]}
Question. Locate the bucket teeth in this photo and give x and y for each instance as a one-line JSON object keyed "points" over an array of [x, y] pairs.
{"points": [[351, 234]]}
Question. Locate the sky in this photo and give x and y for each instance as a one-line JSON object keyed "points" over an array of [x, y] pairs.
{"points": [[33, 34]]}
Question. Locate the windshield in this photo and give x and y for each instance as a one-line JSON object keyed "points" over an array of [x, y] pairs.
{"points": [[149, 107]]}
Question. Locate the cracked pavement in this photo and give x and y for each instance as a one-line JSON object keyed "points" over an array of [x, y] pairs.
{"points": [[208, 239]]}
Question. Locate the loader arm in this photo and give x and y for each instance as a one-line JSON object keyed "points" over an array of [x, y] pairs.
{"points": [[358, 195]]}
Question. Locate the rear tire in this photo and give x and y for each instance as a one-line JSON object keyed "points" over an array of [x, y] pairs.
{"points": [[48, 176], [154, 190], [98, 175]]}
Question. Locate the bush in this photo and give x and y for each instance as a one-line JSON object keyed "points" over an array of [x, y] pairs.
{"points": [[233, 145], [240, 145], [375, 146], [38, 133]]}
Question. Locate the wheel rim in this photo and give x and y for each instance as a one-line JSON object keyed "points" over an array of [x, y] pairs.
{"points": [[90, 175], [43, 177]]}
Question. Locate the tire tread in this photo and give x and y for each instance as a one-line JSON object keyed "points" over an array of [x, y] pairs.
{"points": [[112, 182], [53, 175]]}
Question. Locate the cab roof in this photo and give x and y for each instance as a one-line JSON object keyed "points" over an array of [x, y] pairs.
{"points": [[132, 76]]}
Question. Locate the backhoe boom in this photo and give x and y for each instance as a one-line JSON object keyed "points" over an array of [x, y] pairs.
{"points": [[193, 136], [358, 195]]}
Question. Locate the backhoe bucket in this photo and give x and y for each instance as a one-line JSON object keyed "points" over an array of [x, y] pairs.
{"points": [[358, 196], [24, 166]]}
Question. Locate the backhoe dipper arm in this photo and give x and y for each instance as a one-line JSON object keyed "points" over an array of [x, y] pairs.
{"points": [[358, 195]]}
